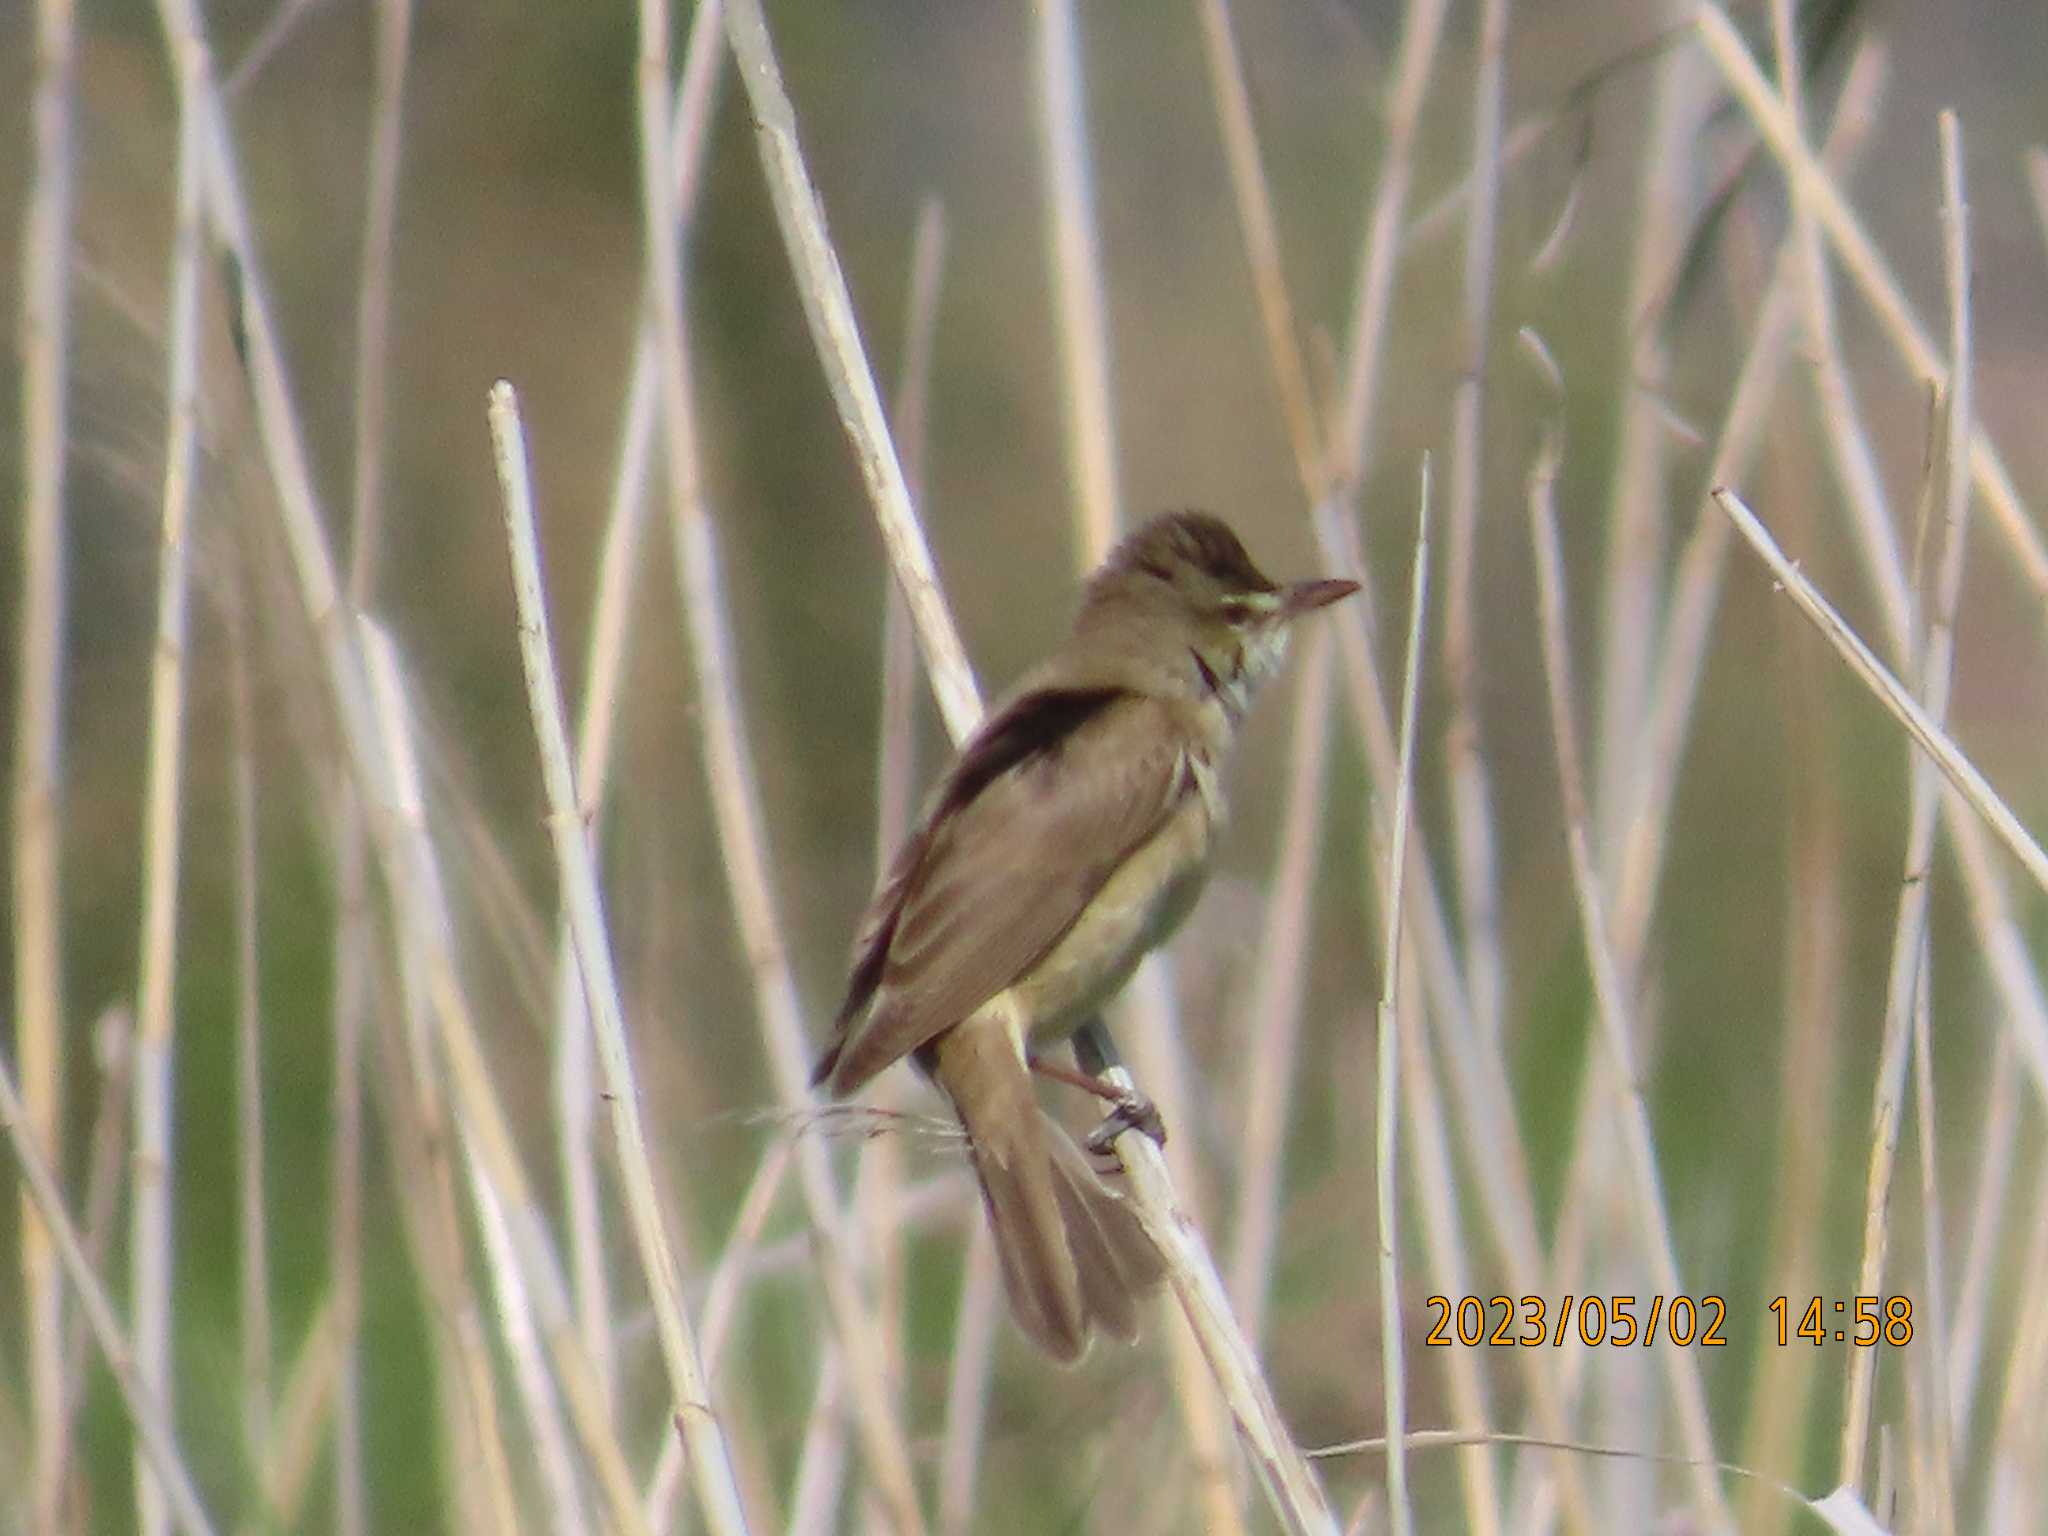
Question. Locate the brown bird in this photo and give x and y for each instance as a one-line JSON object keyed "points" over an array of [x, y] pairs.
{"points": [[1070, 836]]}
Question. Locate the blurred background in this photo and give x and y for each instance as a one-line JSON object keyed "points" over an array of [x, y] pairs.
{"points": [[518, 254]]}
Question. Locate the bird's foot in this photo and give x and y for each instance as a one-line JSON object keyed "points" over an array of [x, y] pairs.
{"points": [[1131, 1111]]}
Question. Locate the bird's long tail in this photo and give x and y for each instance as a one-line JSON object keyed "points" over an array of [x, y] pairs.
{"points": [[1072, 1252]]}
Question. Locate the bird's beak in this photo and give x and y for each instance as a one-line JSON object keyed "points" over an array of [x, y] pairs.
{"points": [[1304, 596]]}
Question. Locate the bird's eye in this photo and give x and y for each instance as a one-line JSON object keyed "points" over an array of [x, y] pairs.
{"points": [[1237, 613]]}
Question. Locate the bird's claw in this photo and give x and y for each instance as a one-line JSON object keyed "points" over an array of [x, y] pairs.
{"points": [[1132, 1112]]}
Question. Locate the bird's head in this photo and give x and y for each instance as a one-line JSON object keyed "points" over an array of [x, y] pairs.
{"points": [[1181, 591]]}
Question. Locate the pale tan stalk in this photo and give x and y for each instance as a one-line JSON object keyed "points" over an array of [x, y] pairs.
{"points": [[2017, 1493], [152, 1425], [113, 1050], [529, 1363], [150, 1236], [1696, 589], [313, 567], [1269, 1031], [1386, 1113], [1935, 666], [878, 1176], [574, 1083], [1633, 565], [1471, 789], [703, 1439], [821, 1464], [515, 1306], [373, 317], [422, 1144], [1873, 277], [1073, 251], [38, 727], [1350, 442], [724, 1288], [1090, 437], [828, 309], [728, 760], [1479, 1071], [967, 1376], [1262, 244], [1617, 1031], [1989, 1224], [1449, 206], [1890, 692]]}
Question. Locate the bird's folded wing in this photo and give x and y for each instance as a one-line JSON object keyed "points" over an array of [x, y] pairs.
{"points": [[1051, 796]]}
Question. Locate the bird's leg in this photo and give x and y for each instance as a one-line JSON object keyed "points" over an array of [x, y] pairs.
{"points": [[1129, 1109]]}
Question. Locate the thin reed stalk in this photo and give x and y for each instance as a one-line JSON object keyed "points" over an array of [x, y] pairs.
{"points": [[1350, 439], [151, 1423], [703, 1439], [1880, 289], [253, 1293], [1472, 806], [373, 320], [575, 1089], [1074, 254], [1270, 1026], [1935, 667], [1089, 418], [150, 1240], [1480, 1075], [1617, 1031], [38, 727], [1386, 1113]]}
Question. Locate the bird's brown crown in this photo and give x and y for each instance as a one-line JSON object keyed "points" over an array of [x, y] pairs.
{"points": [[1177, 542]]}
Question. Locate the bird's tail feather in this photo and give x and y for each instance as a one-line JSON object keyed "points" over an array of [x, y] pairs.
{"points": [[1073, 1255]]}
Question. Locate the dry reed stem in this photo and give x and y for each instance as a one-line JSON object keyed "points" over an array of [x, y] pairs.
{"points": [[1984, 1246], [1891, 693], [423, 1179], [1631, 598], [1386, 1113], [829, 312], [1480, 1073], [1270, 1023], [253, 1292], [1350, 439], [1939, 1419], [575, 1090], [1873, 277], [313, 568], [728, 759], [1652, 1223], [421, 938], [703, 1439], [1935, 667], [1262, 244], [1471, 789], [1696, 589], [150, 1214], [1074, 253], [373, 313], [828, 309], [1089, 435], [152, 1425], [557, 1475], [38, 726]]}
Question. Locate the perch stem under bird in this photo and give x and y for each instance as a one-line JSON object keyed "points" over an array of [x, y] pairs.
{"points": [[1070, 836]]}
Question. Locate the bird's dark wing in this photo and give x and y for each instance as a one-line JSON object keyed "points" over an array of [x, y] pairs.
{"points": [[1048, 799]]}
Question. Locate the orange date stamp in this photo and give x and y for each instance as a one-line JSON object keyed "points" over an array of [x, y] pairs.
{"points": [[1616, 1322]]}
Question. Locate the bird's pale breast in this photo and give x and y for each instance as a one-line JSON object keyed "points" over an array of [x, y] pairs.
{"points": [[1136, 909]]}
